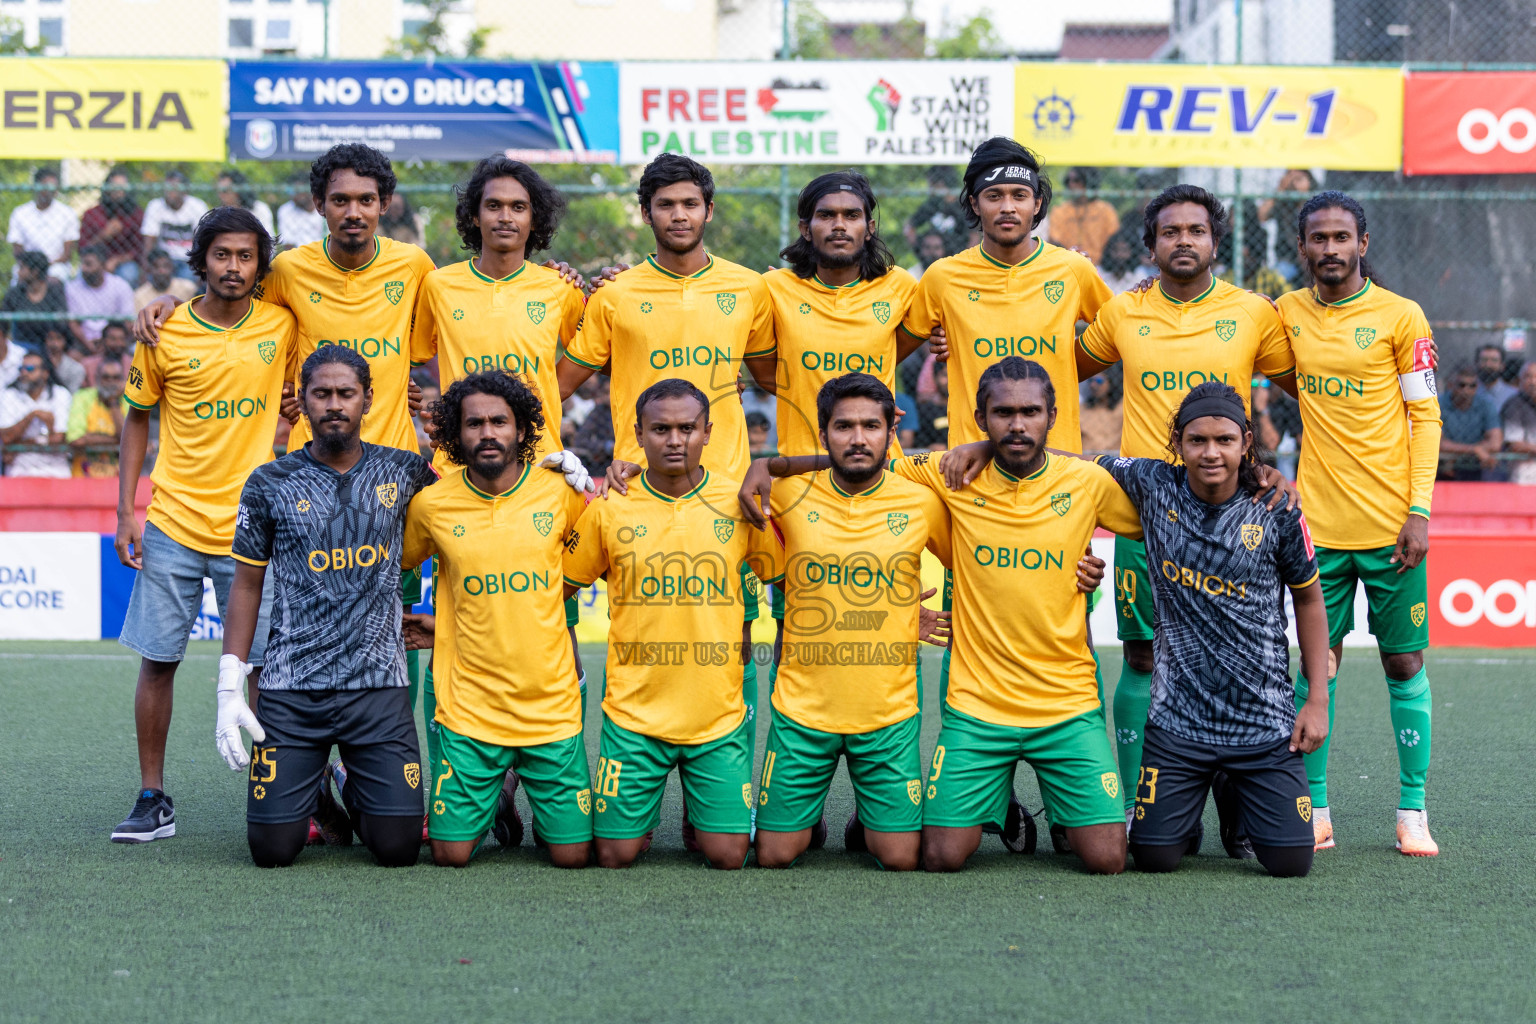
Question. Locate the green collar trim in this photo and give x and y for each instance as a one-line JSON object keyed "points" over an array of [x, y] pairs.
{"points": [[1037, 474], [833, 481], [1342, 302], [651, 259], [1188, 302], [496, 280], [1039, 248], [837, 287], [492, 497], [668, 498], [205, 325], [325, 247]]}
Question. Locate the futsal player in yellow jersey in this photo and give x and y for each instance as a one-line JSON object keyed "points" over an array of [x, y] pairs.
{"points": [[1189, 328], [217, 377], [849, 552], [675, 557], [505, 680], [1013, 295], [1369, 449]]}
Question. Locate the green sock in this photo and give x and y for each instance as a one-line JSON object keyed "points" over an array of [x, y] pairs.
{"points": [[1098, 676], [429, 713], [1316, 763], [412, 664], [1410, 704], [749, 694], [1133, 695], [581, 684], [944, 679]]}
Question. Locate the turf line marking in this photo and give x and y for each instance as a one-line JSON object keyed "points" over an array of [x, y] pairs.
{"points": [[16, 656]]}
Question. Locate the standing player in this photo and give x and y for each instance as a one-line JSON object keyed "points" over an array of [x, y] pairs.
{"points": [[849, 556], [328, 519], [1188, 329], [1370, 445], [218, 377], [1222, 700], [506, 680], [675, 561]]}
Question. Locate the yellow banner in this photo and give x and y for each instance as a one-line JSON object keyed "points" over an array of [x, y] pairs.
{"points": [[1179, 115], [55, 108]]}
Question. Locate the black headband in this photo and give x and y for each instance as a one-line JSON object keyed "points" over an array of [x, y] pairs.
{"points": [[834, 185], [1227, 405], [1007, 174]]}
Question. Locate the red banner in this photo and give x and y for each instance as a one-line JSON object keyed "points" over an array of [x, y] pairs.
{"points": [[1470, 123], [1482, 591]]}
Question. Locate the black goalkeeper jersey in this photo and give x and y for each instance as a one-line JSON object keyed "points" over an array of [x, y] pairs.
{"points": [[1221, 660], [332, 542]]}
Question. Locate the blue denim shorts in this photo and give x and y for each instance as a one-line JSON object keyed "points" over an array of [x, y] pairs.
{"points": [[168, 595]]}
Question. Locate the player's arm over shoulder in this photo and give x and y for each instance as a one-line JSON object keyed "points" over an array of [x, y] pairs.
{"points": [[586, 555], [921, 468], [1115, 502]]}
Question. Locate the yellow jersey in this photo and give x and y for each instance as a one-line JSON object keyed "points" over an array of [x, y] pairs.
{"points": [[1370, 438], [850, 566], [676, 597], [474, 323], [1168, 347], [369, 311], [650, 324], [1019, 655], [219, 391], [991, 310], [501, 662], [824, 332]]}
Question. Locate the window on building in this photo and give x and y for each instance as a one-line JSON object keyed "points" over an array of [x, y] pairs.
{"points": [[37, 22]]}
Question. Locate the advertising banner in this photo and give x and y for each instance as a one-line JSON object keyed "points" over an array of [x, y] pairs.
{"points": [[545, 113], [1470, 123], [56, 108], [1173, 115], [813, 112], [50, 586], [1482, 591]]}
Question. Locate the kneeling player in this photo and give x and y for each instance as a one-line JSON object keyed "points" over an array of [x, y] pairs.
{"points": [[506, 688], [852, 541], [1222, 699], [328, 519], [673, 555]]}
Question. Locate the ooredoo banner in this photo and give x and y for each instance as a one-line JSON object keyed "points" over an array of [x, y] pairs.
{"points": [[1469, 123], [1482, 591], [813, 112]]}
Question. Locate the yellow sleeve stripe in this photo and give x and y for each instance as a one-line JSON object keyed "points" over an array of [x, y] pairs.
{"points": [[1304, 586], [911, 333], [137, 405], [1082, 344], [583, 362], [1416, 510], [249, 561]]}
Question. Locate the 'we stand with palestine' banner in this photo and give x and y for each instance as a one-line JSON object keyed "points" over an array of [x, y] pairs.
{"points": [[813, 112]]}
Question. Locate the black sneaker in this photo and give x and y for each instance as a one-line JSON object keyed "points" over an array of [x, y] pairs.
{"points": [[508, 826], [1060, 844], [1019, 834], [853, 834], [1196, 840], [819, 833], [1237, 845], [329, 819], [690, 834], [153, 817]]}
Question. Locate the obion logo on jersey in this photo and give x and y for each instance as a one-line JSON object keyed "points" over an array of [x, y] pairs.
{"points": [[1470, 123]]}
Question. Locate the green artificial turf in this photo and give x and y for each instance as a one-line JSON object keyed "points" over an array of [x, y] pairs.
{"points": [[187, 929]]}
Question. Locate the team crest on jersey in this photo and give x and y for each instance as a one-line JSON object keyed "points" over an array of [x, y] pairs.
{"points": [[1054, 290], [542, 521], [882, 311], [896, 522], [1253, 536], [394, 291], [536, 312], [413, 774], [1416, 613], [1061, 503], [1304, 807], [1364, 336], [726, 301], [267, 350], [584, 801], [746, 793], [724, 529], [1111, 783], [915, 791], [1226, 330], [388, 493]]}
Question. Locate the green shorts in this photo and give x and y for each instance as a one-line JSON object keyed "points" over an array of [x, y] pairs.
{"points": [[572, 612], [468, 781], [632, 776], [1399, 604], [1133, 591], [410, 586], [885, 766], [972, 774]]}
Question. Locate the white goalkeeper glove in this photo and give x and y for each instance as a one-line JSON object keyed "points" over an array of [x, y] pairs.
{"points": [[567, 463], [234, 713]]}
